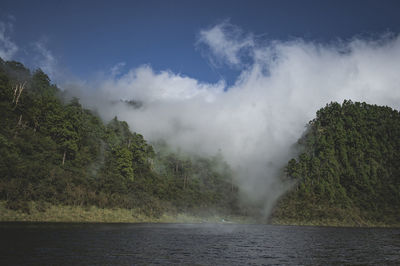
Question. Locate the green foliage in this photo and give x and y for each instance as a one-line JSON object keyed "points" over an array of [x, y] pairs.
{"points": [[55, 151], [351, 161]]}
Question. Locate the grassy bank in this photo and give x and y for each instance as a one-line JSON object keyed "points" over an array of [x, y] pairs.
{"points": [[36, 212], [325, 215], [331, 222], [349, 220]]}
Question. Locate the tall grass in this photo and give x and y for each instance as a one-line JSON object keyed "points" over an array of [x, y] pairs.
{"points": [[40, 212]]}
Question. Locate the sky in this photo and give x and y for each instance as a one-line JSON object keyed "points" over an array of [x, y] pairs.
{"points": [[236, 78], [88, 37]]}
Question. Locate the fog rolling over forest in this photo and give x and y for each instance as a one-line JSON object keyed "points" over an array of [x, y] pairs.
{"points": [[255, 122]]}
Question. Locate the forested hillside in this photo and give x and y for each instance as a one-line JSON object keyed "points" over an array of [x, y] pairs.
{"points": [[54, 151], [349, 169]]}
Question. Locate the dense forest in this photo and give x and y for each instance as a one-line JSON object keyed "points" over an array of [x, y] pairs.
{"points": [[349, 167], [54, 151]]}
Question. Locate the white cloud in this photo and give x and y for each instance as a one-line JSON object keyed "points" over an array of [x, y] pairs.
{"points": [[7, 47], [45, 59], [144, 85], [227, 43], [254, 122], [117, 69], [36, 54]]}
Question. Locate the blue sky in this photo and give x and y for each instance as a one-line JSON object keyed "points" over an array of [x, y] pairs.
{"points": [[93, 36]]}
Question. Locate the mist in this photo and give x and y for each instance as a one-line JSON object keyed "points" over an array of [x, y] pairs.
{"points": [[255, 122], [7, 47]]}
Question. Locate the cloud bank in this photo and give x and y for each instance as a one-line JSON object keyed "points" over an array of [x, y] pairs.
{"points": [[255, 122]]}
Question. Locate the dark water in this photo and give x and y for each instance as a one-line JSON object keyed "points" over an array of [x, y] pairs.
{"points": [[202, 244]]}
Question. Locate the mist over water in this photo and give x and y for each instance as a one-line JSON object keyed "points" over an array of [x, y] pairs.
{"points": [[255, 122]]}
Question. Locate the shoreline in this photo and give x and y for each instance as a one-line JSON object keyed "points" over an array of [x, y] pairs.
{"points": [[335, 223], [93, 214]]}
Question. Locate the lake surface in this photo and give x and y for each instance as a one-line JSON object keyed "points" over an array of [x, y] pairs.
{"points": [[196, 244]]}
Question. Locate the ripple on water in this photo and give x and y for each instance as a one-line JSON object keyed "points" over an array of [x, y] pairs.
{"points": [[200, 244]]}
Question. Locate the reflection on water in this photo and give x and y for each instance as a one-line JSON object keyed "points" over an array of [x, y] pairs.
{"points": [[202, 244]]}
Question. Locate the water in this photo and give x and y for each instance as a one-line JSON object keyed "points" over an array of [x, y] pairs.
{"points": [[197, 244]]}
